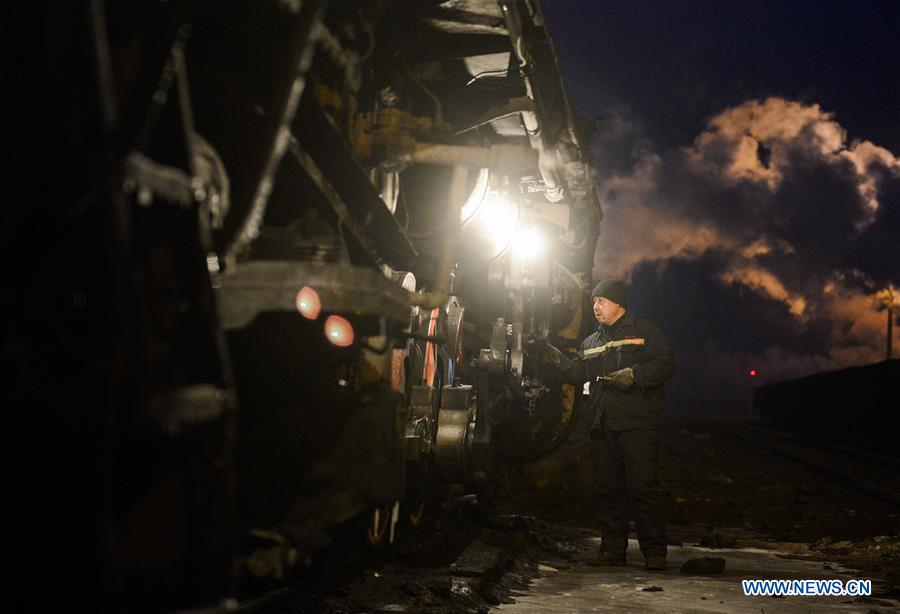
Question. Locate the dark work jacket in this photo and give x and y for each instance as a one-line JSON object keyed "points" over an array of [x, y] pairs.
{"points": [[630, 342]]}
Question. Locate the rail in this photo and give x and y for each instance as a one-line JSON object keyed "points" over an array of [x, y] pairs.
{"points": [[754, 436]]}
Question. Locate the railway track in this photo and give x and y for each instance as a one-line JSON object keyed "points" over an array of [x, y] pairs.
{"points": [[879, 459], [866, 472]]}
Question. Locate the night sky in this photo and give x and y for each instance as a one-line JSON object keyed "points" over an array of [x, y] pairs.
{"points": [[747, 155]]}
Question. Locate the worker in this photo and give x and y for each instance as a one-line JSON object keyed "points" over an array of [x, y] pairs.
{"points": [[627, 361]]}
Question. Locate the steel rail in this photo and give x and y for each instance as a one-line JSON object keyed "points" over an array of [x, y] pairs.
{"points": [[880, 459], [859, 484]]}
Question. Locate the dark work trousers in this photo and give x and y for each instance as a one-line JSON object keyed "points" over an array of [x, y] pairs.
{"points": [[626, 478]]}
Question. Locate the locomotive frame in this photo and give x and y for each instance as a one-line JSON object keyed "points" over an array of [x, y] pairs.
{"points": [[303, 259]]}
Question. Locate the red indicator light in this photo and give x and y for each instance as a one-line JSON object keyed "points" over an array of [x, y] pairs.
{"points": [[339, 331], [752, 372], [308, 303]]}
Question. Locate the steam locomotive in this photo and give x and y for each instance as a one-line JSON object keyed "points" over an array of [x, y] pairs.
{"points": [[298, 266]]}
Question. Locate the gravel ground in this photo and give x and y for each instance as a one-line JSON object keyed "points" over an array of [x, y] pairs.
{"points": [[723, 492]]}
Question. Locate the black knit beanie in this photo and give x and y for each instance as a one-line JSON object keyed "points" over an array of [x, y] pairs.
{"points": [[613, 290]]}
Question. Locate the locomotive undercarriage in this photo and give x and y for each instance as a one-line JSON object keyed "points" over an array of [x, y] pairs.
{"points": [[345, 232]]}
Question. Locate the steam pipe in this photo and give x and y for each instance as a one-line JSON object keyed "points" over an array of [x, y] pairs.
{"points": [[554, 191], [502, 158], [440, 292]]}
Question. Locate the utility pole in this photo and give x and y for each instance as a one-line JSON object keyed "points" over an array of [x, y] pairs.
{"points": [[887, 299], [890, 329]]}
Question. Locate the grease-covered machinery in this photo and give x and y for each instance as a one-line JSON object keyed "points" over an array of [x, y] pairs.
{"points": [[344, 232]]}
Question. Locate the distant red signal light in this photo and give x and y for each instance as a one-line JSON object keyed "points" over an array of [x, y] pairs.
{"points": [[752, 372], [339, 331], [308, 303]]}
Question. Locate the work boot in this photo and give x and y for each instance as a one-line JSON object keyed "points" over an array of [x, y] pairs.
{"points": [[606, 558], [655, 562]]}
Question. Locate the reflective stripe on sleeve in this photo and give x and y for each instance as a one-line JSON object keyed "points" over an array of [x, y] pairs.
{"points": [[612, 344]]}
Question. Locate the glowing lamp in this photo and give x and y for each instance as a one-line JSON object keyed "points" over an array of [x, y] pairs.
{"points": [[339, 331], [498, 218], [477, 196], [527, 245], [491, 216], [308, 303], [752, 372]]}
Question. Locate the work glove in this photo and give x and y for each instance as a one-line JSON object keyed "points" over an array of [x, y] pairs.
{"points": [[623, 379], [558, 365], [552, 355]]}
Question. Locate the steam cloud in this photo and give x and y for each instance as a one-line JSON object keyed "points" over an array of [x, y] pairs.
{"points": [[773, 200]]}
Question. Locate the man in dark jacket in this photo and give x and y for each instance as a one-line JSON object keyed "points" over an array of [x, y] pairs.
{"points": [[626, 361]]}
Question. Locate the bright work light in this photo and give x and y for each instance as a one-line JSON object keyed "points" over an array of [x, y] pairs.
{"points": [[527, 244], [493, 221]]}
